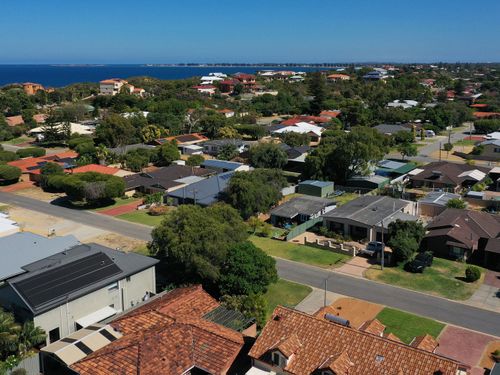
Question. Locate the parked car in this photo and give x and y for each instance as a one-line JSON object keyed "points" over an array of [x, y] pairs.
{"points": [[430, 133], [425, 258], [415, 266], [372, 248]]}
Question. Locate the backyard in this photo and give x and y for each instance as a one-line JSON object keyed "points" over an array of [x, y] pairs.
{"points": [[285, 293], [407, 326], [445, 278], [299, 253]]}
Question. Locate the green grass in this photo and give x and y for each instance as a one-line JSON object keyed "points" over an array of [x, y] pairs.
{"points": [[285, 293], [407, 326], [141, 217], [18, 140], [444, 278], [465, 142], [117, 202], [299, 253], [344, 198], [143, 250], [4, 208]]}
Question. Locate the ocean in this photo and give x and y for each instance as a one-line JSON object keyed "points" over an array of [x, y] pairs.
{"points": [[63, 75]]}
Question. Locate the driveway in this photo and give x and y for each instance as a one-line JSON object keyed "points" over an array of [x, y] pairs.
{"points": [[487, 296], [120, 210], [463, 345]]}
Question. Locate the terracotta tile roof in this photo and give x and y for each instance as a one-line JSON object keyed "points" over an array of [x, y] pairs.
{"points": [[111, 81], [425, 342], [184, 138], [479, 105], [392, 336], [304, 118], [40, 118], [339, 363], [370, 354], [27, 164], [96, 168], [332, 114], [336, 76], [14, 120], [288, 345], [373, 326], [486, 114], [167, 336]]}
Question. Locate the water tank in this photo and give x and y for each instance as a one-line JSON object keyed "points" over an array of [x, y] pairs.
{"points": [[338, 320]]}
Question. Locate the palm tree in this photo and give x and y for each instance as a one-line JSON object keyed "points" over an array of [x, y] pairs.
{"points": [[29, 337], [102, 153], [9, 334]]}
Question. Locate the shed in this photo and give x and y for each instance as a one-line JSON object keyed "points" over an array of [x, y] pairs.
{"points": [[368, 182], [315, 188]]}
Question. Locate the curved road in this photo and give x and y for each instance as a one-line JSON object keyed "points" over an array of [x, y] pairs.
{"points": [[422, 304]]}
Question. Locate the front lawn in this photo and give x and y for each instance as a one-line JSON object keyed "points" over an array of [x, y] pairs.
{"points": [[142, 217], [116, 202], [344, 198], [299, 253], [18, 140], [285, 293], [407, 326], [445, 278], [465, 142]]}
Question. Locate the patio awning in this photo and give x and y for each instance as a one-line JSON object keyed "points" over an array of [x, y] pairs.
{"points": [[96, 316]]}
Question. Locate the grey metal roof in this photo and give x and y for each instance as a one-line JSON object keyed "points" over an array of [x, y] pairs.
{"points": [[438, 198], [390, 128], [21, 249], [53, 271], [205, 192], [391, 164], [221, 164], [122, 150], [301, 205], [368, 209], [316, 183]]}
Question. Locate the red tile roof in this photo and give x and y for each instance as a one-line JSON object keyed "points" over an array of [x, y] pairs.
{"points": [[40, 118], [184, 139], [373, 326], [14, 120], [479, 105], [304, 118], [486, 114], [27, 163], [425, 342], [332, 114], [324, 342], [113, 81], [167, 336], [96, 168]]}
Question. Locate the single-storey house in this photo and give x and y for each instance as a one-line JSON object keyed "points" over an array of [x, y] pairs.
{"points": [[315, 188], [165, 179], [450, 176], [225, 166], [463, 234], [394, 169], [214, 147], [434, 203], [390, 129], [183, 331], [300, 209], [313, 131], [183, 139], [32, 165], [365, 217], [204, 192], [14, 120], [490, 149], [71, 288]]}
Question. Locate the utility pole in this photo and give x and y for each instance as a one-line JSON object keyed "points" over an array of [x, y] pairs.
{"points": [[440, 146], [382, 255], [326, 286]]}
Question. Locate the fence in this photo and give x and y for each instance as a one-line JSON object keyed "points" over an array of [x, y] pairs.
{"points": [[301, 228], [30, 364], [288, 190], [336, 247]]}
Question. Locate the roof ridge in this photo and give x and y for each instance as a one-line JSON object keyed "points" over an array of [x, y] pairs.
{"points": [[400, 344]]}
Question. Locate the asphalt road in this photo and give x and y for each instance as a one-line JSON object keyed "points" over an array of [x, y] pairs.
{"points": [[417, 303]]}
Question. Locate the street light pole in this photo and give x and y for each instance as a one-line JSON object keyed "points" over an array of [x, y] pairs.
{"points": [[382, 255]]}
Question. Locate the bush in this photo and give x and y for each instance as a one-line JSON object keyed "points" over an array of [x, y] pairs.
{"points": [[7, 156], [157, 210], [74, 142], [9, 173], [472, 274], [35, 152], [54, 182], [195, 160]]}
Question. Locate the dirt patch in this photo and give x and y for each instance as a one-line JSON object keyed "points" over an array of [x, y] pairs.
{"points": [[354, 310], [487, 361], [449, 155], [116, 241], [17, 187], [39, 194], [120, 210]]}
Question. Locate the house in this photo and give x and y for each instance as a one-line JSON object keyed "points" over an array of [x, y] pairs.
{"points": [[14, 120], [206, 89], [314, 120], [330, 114], [395, 170], [483, 115], [293, 342], [429, 82], [247, 80], [164, 179], [74, 128], [492, 136], [97, 168], [313, 131], [62, 286], [434, 203], [450, 176], [227, 86], [367, 216], [300, 209], [376, 75], [211, 79], [214, 146], [31, 88], [295, 154], [40, 118], [7, 226], [188, 144], [222, 166], [204, 192], [390, 129], [337, 77], [32, 165], [113, 86], [404, 104], [183, 331], [490, 149], [462, 234], [228, 113], [315, 188], [122, 150]]}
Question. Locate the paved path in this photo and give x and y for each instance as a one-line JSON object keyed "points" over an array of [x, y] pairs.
{"points": [[417, 303], [120, 210]]}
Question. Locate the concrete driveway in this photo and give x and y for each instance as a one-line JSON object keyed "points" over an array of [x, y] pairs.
{"points": [[356, 266], [487, 296]]}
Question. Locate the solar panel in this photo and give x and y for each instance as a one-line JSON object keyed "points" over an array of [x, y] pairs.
{"points": [[56, 283]]}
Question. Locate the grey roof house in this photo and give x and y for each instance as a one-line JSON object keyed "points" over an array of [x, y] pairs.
{"points": [[67, 286], [390, 129], [225, 166], [434, 203], [364, 217], [300, 209]]}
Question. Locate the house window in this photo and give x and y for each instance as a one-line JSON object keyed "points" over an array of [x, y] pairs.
{"points": [[496, 149], [113, 286], [278, 359], [54, 335], [457, 252], [326, 372]]}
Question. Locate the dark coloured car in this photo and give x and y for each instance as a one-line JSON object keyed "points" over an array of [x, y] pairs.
{"points": [[425, 258], [372, 248], [415, 266]]}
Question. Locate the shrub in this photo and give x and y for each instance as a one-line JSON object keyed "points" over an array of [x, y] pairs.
{"points": [[472, 274], [195, 160], [157, 210], [35, 152], [54, 182], [7, 156], [9, 173], [73, 142]]}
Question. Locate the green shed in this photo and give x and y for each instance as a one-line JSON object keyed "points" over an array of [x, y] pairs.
{"points": [[315, 188]]}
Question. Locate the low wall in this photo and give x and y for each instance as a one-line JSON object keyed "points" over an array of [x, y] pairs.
{"points": [[333, 246]]}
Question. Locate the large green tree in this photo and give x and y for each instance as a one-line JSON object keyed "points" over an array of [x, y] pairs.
{"points": [[316, 86], [115, 130], [267, 155], [167, 153]]}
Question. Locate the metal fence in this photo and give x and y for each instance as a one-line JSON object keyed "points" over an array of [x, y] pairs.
{"points": [[301, 228], [30, 364]]}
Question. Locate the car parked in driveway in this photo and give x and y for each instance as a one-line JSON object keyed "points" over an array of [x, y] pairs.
{"points": [[372, 248]]}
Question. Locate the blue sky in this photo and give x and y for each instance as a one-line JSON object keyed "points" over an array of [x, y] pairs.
{"points": [[170, 31]]}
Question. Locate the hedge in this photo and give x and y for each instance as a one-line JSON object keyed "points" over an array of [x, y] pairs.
{"points": [[8, 156], [31, 151], [9, 173]]}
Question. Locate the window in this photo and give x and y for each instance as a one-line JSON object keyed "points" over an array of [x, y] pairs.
{"points": [[113, 286], [84, 348], [128, 278], [278, 359], [54, 335]]}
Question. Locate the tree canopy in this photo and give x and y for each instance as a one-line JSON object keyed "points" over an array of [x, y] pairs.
{"points": [[267, 155]]}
